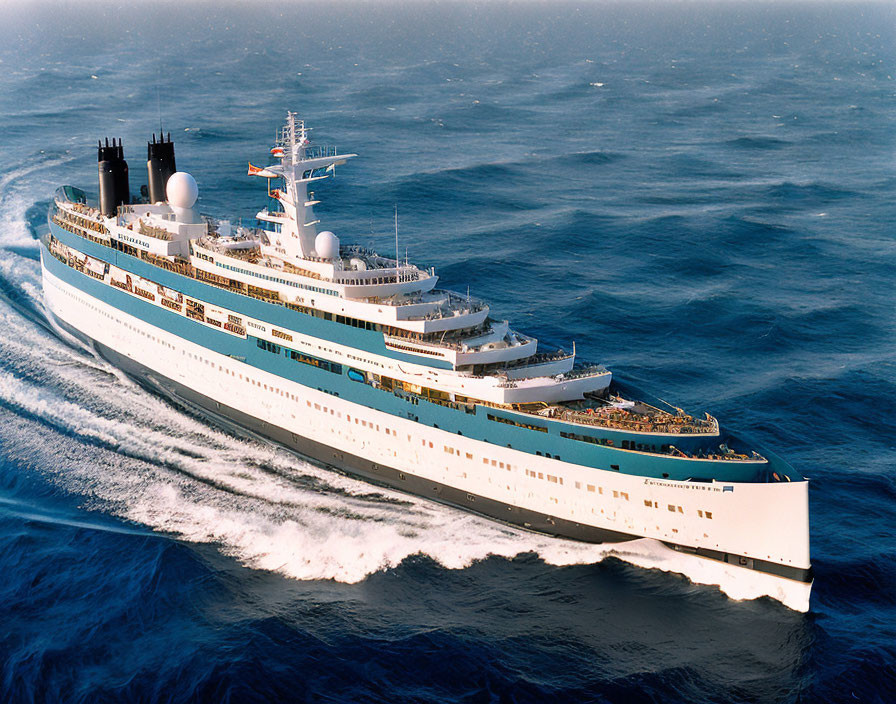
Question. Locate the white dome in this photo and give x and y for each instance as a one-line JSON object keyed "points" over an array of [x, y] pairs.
{"points": [[326, 244], [181, 190]]}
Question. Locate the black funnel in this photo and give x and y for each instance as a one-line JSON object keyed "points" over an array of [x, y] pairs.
{"points": [[160, 166], [113, 172]]}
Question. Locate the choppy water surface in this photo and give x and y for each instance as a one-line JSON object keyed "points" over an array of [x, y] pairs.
{"points": [[701, 196]]}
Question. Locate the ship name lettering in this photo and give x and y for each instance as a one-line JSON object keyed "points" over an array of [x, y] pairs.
{"points": [[677, 485]]}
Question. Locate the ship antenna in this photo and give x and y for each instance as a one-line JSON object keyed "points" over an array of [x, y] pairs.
{"points": [[396, 243], [159, 97]]}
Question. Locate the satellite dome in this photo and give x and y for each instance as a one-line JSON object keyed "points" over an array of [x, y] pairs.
{"points": [[326, 244], [181, 190]]}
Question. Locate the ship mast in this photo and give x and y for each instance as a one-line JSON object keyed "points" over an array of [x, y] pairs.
{"points": [[396, 244], [293, 234]]}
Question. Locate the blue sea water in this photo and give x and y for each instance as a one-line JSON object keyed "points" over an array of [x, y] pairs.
{"points": [[701, 195]]}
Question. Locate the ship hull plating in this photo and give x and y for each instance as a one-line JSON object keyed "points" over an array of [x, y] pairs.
{"points": [[116, 340]]}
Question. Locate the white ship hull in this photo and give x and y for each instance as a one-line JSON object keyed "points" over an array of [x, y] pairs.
{"points": [[754, 522]]}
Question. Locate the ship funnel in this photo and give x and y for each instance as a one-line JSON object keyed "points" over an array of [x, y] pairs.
{"points": [[160, 165], [113, 172]]}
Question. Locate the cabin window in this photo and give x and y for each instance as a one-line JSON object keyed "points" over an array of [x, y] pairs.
{"points": [[268, 346]]}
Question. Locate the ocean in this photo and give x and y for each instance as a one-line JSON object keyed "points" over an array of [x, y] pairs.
{"points": [[701, 196]]}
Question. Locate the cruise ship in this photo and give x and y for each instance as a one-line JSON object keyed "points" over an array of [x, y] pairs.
{"points": [[363, 363]]}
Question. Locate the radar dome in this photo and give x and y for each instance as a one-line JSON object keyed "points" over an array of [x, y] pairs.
{"points": [[181, 190], [326, 244]]}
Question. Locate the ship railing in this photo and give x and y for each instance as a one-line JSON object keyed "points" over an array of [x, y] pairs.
{"points": [[278, 214], [250, 255], [83, 209], [395, 337], [319, 151], [448, 313], [580, 372], [78, 207], [448, 301], [406, 274], [293, 269], [403, 336], [77, 225], [158, 233], [624, 420], [540, 358]]}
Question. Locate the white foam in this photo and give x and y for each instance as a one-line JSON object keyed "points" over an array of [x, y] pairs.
{"points": [[18, 191]]}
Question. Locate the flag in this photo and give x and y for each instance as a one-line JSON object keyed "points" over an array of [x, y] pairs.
{"points": [[258, 171]]}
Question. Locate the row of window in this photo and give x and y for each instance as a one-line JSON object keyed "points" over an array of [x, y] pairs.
{"points": [[626, 444], [194, 309], [553, 479], [271, 347], [674, 508], [301, 357], [275, 279], [358, 421], [362, 359], [315, 173], [508, 421], [586, 438], [324, 364], [433, 353], [356, 322]]}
